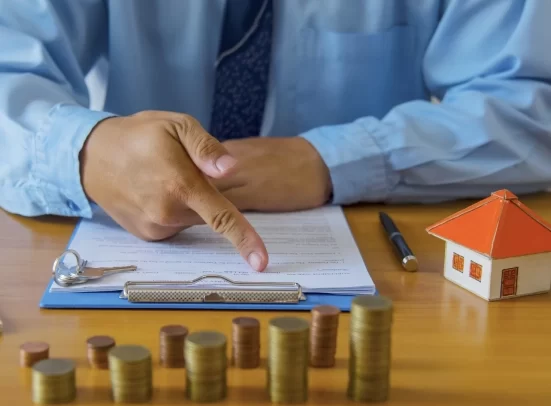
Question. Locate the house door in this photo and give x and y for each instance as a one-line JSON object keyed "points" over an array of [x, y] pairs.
{"points": [[509, 279]]}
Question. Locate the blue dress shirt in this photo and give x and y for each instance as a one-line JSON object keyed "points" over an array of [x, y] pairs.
{"points": [[353, 77]]}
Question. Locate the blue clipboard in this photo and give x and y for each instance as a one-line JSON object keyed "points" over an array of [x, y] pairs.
{"points": [[112, 300]]}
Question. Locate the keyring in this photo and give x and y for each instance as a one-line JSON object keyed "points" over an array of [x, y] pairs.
{"points": [[66, 276]]}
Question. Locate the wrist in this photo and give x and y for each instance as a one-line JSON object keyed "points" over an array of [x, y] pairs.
{"points": [[321, 170], [92, 155]]}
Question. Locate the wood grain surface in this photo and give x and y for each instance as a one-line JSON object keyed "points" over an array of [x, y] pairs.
{"points": [[448, 346]]}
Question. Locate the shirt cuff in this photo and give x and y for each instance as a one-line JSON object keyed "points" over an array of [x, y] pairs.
{"points": [[354, 154], [56, 165]]}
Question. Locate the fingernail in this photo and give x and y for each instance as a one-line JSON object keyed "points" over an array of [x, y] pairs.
{"points": [[255, 260], [225, 163]]}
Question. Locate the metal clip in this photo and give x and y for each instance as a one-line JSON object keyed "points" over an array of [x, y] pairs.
{"points": [[237, 292]]}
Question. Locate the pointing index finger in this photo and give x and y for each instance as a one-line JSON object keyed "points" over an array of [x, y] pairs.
{"points": [[224, 218]]}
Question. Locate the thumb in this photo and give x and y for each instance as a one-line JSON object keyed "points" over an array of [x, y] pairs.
{"points": [[206, 152]]}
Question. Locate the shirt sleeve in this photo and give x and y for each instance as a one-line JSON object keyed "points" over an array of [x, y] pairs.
{"points": [[46, 49], [489, 64]]}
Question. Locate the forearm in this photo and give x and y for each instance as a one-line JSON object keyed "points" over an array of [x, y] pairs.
{"points": [[422, 152]]}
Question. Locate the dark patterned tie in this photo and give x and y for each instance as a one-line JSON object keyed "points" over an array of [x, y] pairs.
{"points": [[243, 70]]}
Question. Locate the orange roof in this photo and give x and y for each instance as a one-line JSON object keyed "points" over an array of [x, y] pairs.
{"points": [[499, 226]]}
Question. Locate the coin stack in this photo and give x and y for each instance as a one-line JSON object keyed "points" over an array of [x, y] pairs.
{"points": [[98, 348], [288, 355], [206, 365], [323, 336], [33, 351], [131, 374], [172, 338], [53, 381], [245, 342], [370, 341]]}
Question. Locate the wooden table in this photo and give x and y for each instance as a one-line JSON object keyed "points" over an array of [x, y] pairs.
{"points": [[449, 346]]}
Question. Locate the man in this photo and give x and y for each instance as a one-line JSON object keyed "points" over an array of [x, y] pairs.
{"points": [[339, 92]]}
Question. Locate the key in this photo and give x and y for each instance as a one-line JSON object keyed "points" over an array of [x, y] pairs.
{"points": [[96, 273]]}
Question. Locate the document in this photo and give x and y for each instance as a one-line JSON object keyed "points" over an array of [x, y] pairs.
{"points": [[313, 248]]}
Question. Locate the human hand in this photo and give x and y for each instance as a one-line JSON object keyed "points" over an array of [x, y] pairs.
{"points": [[150, 172], [275, 174]]}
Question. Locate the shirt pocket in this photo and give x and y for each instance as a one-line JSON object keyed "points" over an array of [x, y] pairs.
{"points": [[342, 76]]}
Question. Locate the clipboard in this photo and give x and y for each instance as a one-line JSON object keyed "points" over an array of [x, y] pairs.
{"points": [[183, 295]]}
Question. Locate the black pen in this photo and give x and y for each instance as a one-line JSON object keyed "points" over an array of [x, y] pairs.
{"points": [[409, 262]]}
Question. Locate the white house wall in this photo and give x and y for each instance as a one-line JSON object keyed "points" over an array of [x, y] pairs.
{"points": [[480, 288], [534, 274]]}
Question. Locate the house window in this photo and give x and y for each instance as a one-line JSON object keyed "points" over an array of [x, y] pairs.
{"points": [[458, 262], [475, 271]]}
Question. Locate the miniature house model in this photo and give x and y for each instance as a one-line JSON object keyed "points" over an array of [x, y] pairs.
{"points": [[497, 248]]}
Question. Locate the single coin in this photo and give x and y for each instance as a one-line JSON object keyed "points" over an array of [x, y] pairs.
{"points": [[290, 324], [53, 367], [206, 339], [373, 303], [35, 347], [174, 330], [325, 311], [100, 342], [130, 353]]}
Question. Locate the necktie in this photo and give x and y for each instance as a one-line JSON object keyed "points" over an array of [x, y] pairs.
{"points": [[242, 70]]}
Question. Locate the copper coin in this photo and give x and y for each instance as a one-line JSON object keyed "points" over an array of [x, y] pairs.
{"points": [[322, 350], [100, 342], [324, 324], [174, 330], [323, 342], [246, 322], [246, 354], [245, 332], [34, 347], [246, 342], [326, 363], [324, 333], [325, 311]]}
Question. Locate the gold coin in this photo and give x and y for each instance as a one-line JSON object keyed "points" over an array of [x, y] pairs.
{"points": [[206, 340], [373, 303]]}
